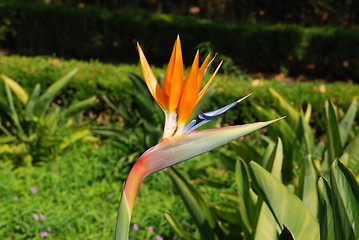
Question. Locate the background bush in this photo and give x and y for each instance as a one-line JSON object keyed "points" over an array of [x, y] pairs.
{"points": [[96, 33], [98, 79]]}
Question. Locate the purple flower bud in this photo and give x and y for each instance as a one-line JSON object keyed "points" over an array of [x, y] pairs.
{"points": [[135, 227], [16, 198], [150, 229], [43, 234], [35, 216], [33, 190], [158, 237]]}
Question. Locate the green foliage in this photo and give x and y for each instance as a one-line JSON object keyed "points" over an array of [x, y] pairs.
{"points": [[111, 36], [78, 194], [304, 203], [93, 79], [142, 115], [298, 136], [31, 129], [98, 79]]}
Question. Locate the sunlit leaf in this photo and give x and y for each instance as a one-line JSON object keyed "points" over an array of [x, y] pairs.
{"points": [[325, 214], [347, 122], [307, 188], [334, 146], [267, 227], [346, 201], [350, 158], [19, 91], [287, 208]]}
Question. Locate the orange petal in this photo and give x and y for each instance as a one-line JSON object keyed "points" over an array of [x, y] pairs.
{"points": [[172, 83], [151, 81], [203, 91], [189, 93], [202, 71]]}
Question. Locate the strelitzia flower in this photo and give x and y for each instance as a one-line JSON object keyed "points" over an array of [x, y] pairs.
{"points": [[178, 96]]}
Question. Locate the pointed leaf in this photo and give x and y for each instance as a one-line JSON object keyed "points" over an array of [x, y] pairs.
{"points": [[308, 135], [31, 103], [275, 162], [334, 146], [351, 156], [79, 106], [50, 93], [19, 91], [347, 122], [267, 227], [14, 115], [177, 227], [346, 201], [326, 217], [77, 135], [246, 204], [307, 188], [308, 113], [285, 206], [286, 109], [290, 140], [195, 204]]}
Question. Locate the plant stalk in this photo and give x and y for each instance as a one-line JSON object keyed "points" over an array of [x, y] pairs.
{"points": [[127, 202]]}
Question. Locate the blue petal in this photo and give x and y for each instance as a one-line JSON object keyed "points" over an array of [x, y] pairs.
{"points": [[189, 126], [213, 114], [208, 116], [194, 127]]}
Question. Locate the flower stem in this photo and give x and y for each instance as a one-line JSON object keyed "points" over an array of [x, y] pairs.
{"points": [[127, 202]]}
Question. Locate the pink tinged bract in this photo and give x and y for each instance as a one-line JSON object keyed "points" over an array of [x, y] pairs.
{"points": [[179, 148]]}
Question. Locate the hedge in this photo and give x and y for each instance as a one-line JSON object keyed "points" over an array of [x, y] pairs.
{"points": [[95, 78], [111, 36]]}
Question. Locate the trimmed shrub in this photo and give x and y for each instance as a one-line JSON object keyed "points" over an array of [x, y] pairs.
{"points": [[95, 33], [97, 79]]}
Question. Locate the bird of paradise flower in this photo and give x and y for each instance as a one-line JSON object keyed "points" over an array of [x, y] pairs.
{"points": [[178, 96]]}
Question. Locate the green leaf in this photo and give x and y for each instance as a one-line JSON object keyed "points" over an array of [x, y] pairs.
{"points": [[268, 152], [177, 227], [29, 109], [196, 205], [351, 156], [275, 162], [307, 188], [14, 114], [79, 106], [246, 205], [308, 113], [334, 146], [346, 201], [290, 140], [286, 109], [50, 93], [325, 213], [19, 91], [287, 208], [77, 135], [308, 135], [347, 122], [266, 227]]}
